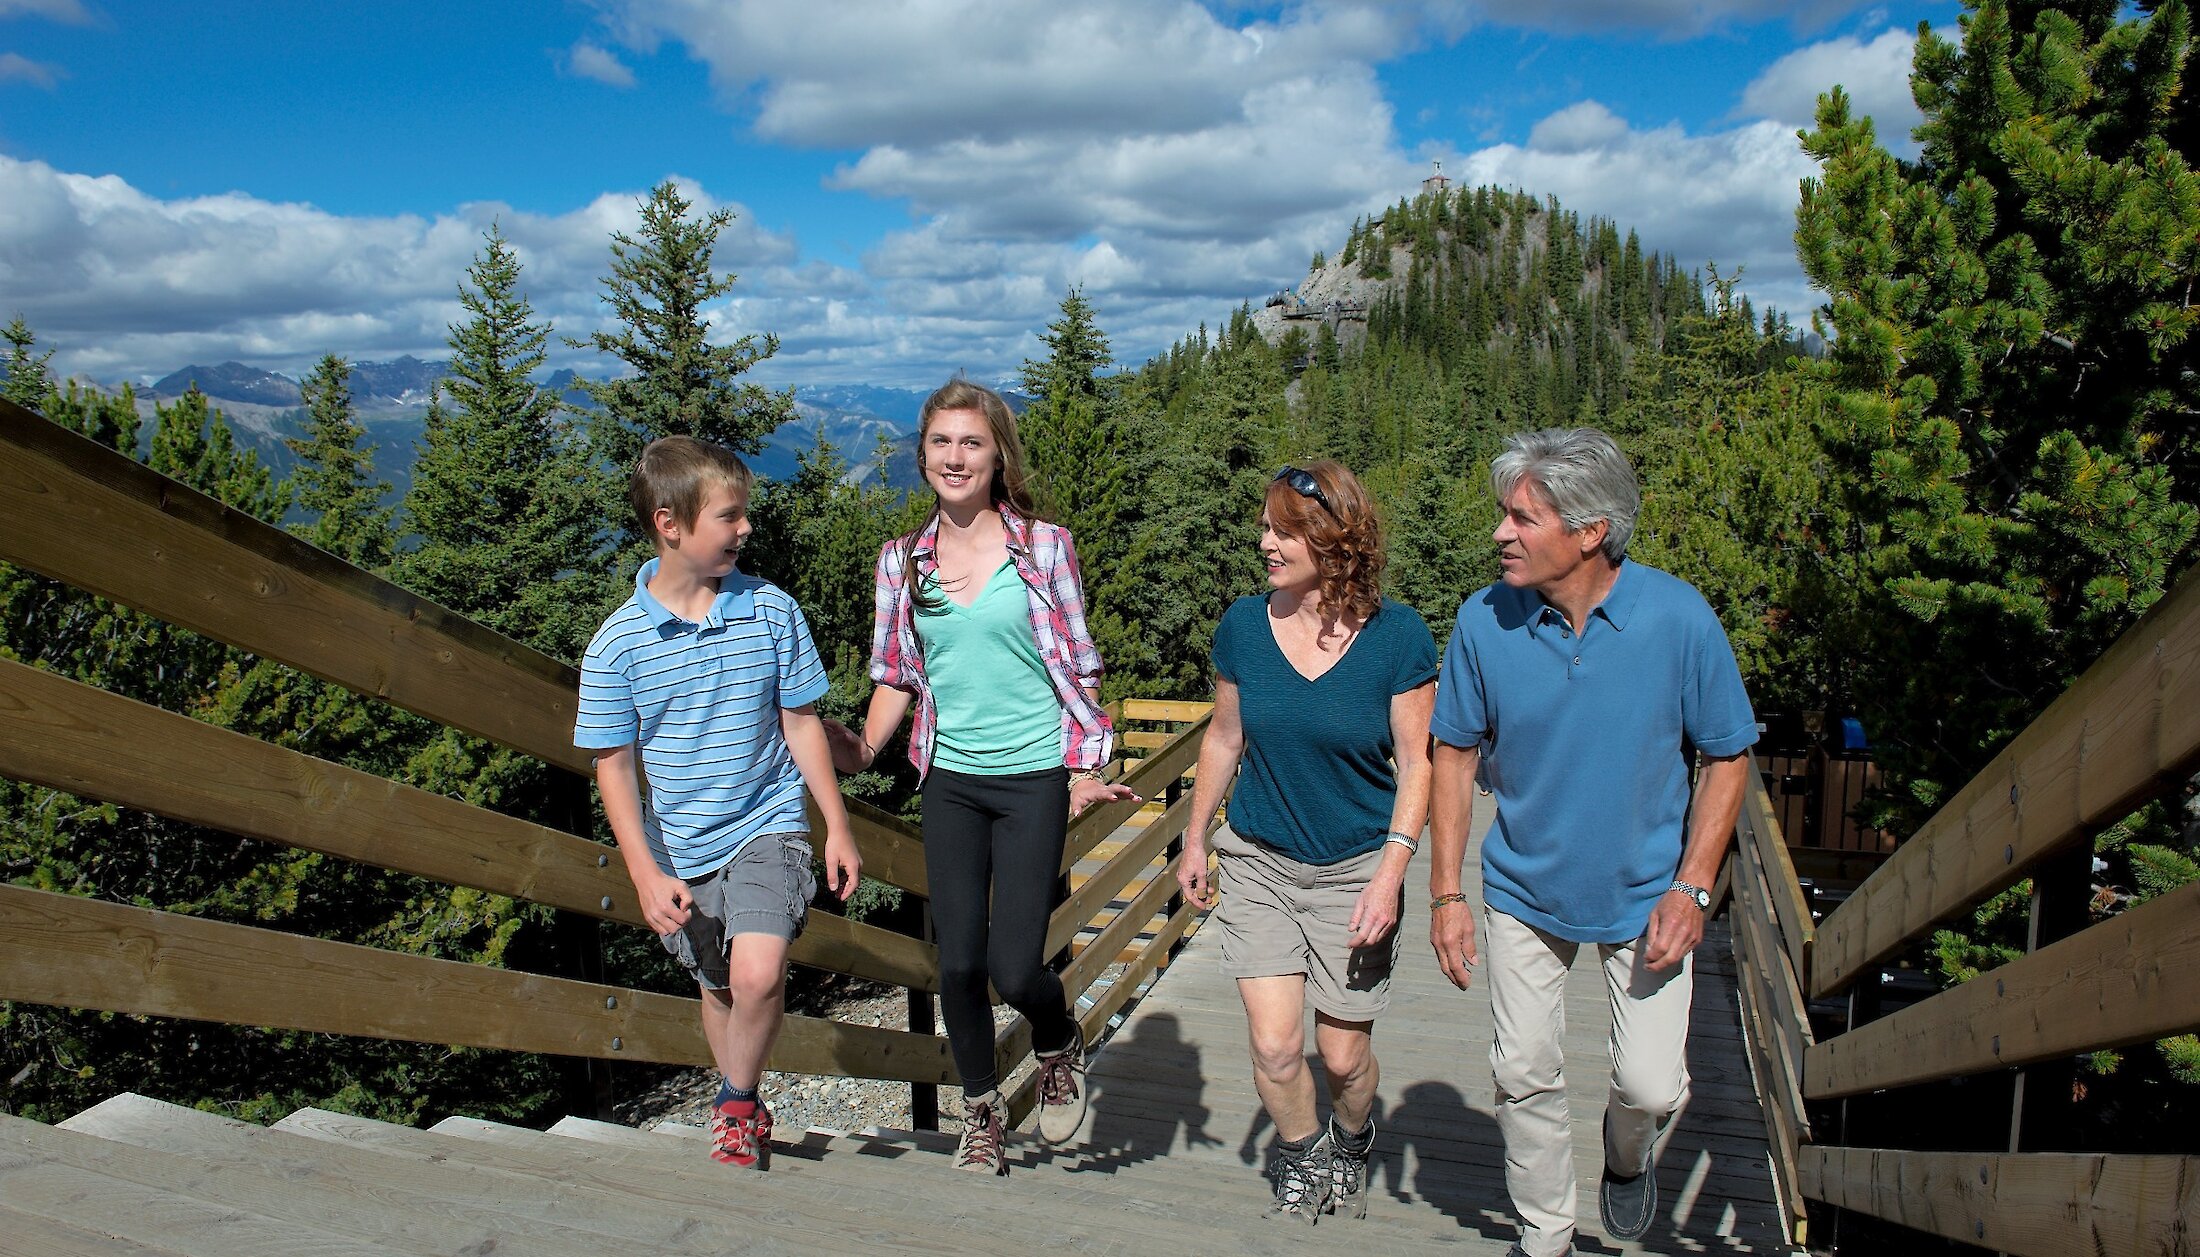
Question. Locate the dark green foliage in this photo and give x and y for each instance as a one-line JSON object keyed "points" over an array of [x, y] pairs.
{"points": [[28, 379], [679, 384], [335, 480]]}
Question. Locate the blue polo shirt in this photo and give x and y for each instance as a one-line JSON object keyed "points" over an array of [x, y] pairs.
{"points": [[702, 700], [1586, 739]]}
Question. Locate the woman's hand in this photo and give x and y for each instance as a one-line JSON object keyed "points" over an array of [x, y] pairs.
{"points": [[1375, 913], [851, 754], [1192, 875], [1086, 791]]}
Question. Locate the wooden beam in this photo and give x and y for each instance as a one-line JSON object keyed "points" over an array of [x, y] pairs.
{"points": [[2044, 1203], [1760, 826], [1782, 1019], [1113, 938], [2127, 730], [86, 953], [60, 733], [2125, 980], [1782, 1136], [1101, 889], [1149, 777], [1164, 709], [81, 513]]}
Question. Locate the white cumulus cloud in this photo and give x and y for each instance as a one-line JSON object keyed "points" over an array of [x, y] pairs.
{"points": [[592, 61], [1876, 75], [17, 68]]}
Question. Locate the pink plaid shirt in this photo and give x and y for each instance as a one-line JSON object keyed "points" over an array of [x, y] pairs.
{"points": [[1055, 591]]}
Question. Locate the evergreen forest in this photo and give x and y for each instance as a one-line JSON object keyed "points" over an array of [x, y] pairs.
{"points": [[1930, 507]]}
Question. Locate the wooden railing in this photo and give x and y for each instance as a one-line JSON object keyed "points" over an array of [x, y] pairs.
{"points": [[85, 515], [2128, 731]]}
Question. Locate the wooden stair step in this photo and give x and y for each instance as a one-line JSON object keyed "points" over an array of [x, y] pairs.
{"points": [[29, 1235], [342, 1189]]}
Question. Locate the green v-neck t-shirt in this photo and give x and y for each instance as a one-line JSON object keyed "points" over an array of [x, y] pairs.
{"points": [[1319, 774], [997, 710]]}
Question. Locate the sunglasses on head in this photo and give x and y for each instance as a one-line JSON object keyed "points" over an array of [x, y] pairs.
{"points": [[1302, 482]]}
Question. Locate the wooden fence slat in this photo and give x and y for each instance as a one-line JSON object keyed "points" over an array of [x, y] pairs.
{"points": [[85, 953], [81, 513], [1782, 1138], [2040, 1204], [1149, 777], [70, 736], [1087, 900], [2124, 980], [1781, 1014], [1117, 934], [1761, 826], [1145, 740], [2124, 731], [1164, 709]]}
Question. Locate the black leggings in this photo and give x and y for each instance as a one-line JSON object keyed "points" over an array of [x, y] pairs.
{"points": [[1005, 833]]}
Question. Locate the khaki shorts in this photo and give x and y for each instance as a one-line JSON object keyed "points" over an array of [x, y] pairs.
{"points": [[765, 888], [1280, 916]]}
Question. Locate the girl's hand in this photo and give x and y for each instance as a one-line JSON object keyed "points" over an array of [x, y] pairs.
{"points": [[1086, 791], [850, 753]]}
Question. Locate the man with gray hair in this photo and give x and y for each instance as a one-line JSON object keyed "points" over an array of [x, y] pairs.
{"points": [[1581, 683]]}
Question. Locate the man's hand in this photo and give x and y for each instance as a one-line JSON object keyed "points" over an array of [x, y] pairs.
{"points": [[1375, 912], [1086, 791], [1451, 933], [1676, 926], [1193, 877], [843, 866], [850, 755], [665, 900]]}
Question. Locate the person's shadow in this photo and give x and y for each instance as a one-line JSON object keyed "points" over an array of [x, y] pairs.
{"points": [[1137, 1121], [1458, 1159]]}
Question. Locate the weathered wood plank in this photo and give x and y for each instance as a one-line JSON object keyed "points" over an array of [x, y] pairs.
{"points": [[1766, 974], [1149, 777], [1088, 900], [2035, 1203], [85, 953], [1162, 709], [32, 1236], [1117, 935], [2127, 730], [1785, 1118], [78, 512], [2124, 980], [60, 733], [1760, 826]]}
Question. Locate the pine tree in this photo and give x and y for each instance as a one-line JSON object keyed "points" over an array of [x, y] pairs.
{"points": [[1069, 436], [508, 532], [680, 383], [335, 478], [28, 381]]}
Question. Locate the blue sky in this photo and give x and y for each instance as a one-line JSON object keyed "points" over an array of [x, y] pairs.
{"points": [[916, 183]]}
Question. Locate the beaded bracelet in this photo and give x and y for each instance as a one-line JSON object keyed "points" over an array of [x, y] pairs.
{"points": [[1441, 900]]}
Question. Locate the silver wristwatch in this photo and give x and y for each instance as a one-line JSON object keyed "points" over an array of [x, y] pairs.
{"points": [[1697, 893]]}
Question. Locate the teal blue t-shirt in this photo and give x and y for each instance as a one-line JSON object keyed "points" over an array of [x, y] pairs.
{"points": [[1318, 778], [997, 710]]}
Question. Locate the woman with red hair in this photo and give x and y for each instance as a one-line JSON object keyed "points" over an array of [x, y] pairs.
{"points": [[1323, 690]]}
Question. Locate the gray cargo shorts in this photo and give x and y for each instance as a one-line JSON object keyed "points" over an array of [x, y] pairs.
{"points": [[765, 888], [1282, 916]]}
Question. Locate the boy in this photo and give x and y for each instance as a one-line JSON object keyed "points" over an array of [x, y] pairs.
{"points": [[708, 676]]}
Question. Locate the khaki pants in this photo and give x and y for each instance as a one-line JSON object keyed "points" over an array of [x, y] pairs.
{"points": [[1526, 969]]}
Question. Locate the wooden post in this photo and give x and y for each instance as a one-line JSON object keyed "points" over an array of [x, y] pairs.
{"points": [[577, 940], [924, 1098], [2043, 1110], [1170, 794]]}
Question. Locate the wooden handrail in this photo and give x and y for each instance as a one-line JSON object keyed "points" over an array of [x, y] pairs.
{"points": [[74, 737], [2039, 1204], [1149, 777], [86, 953], [92, 517], [2129, 727], [1760, 830], [2125, 980], [1121, 868]]}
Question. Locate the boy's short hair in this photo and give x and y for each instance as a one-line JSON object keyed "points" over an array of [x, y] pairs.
{"points": [[677, 473]]}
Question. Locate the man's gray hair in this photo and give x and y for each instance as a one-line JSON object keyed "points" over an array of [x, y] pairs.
{"points": [[1581, 473]]}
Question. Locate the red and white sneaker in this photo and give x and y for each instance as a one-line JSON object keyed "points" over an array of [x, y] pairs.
{"points": [[743, 1140]]}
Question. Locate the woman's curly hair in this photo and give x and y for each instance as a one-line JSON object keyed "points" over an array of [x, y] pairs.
{"points": [[1345, 537]]}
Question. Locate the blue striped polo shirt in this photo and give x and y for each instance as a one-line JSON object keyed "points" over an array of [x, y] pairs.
{"points": [[702, 700]]}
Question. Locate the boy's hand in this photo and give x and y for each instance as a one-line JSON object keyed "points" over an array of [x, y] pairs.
{"points": [[843, 866], [850, 755], [665, 901]]}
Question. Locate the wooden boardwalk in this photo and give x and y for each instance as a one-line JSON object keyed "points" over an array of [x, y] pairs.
{"points": [[1174, 1114]]}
